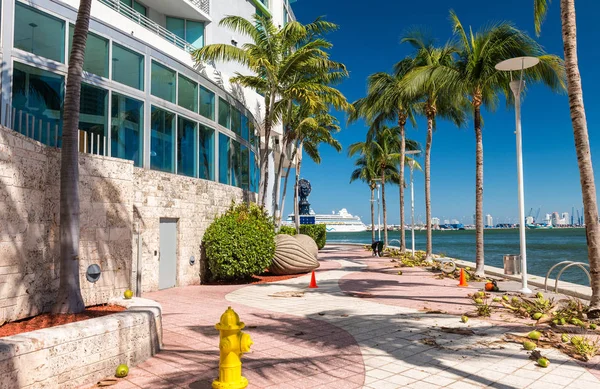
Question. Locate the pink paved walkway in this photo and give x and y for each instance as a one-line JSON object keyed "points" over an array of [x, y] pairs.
{"points": [[288, 352]]}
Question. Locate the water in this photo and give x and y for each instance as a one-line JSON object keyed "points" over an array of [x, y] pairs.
{"points": [[544, 247]]}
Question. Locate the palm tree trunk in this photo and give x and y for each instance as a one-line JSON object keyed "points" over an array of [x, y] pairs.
{"points": [[265, 153], [479, 259], [277, 188], [297, 212], [383, 206], [69, 298], [372, 213], [582, 146], [429, 252], [285, 184], [401, 184]]}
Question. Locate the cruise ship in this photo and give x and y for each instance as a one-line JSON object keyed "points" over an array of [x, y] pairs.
{"points": [[336, 222]]}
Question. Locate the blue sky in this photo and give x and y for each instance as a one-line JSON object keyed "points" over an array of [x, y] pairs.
{"points": [[368, 41]]}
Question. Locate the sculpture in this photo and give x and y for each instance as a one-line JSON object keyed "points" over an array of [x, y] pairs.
{"points": [[304, 189], [308, 243], [291, 257]]}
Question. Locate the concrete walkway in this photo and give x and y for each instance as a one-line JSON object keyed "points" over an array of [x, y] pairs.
{"points": [[371, 332]]}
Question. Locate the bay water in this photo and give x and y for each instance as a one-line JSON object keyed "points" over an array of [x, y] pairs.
{"points": [[544, 247]]}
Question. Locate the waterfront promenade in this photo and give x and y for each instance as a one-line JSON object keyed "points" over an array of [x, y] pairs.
{"points": [[364, 327]]}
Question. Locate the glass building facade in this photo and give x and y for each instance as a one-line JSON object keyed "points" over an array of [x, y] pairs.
{"points": [[136, 103]]}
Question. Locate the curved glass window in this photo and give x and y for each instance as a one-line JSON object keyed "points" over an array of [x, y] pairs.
{"points": [[187, 94], [96, 53], [38, 95], [127, 129], [93, 119], [224, 159], [224, 113], [207, 152], [245, 170], [245, 128], [162, 140], [39, 33], [163, 82], [187, 144], [253, 172], [127, 67], [236, 121], [207, 103]]}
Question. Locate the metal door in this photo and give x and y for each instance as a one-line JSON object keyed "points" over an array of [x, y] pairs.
{"points": [[167, 260]]}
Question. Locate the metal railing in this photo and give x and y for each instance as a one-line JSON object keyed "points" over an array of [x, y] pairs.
{"points": [[149, 24], [48, 133], [204, 5], [566, 264]]}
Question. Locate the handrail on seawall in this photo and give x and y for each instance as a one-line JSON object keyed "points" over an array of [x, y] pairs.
{"points": [[567, 264]]}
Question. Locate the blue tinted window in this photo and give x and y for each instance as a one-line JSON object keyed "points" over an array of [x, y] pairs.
{"points": [[187, 144], [187, 94], [127, 67], [162, 150], [93, 119], [224, 113], [207, 152], [245, 169], [207, 103], [127, 129], [39, 33], [224, 159], [236, 121], [163, 82], [96, 53]]}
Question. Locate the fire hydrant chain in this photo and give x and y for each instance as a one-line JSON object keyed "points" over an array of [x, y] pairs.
{"points": [[233, 343]]}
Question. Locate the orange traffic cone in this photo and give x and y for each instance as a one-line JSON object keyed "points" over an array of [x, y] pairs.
{"points": [[463, 279], [313, 281]]}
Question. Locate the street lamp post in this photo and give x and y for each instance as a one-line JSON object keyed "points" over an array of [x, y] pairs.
{"points": [[519, 64], [411, 164], [378, 213]]}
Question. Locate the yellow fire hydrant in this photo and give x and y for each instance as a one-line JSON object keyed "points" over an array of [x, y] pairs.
{"points": [[232, 345]]}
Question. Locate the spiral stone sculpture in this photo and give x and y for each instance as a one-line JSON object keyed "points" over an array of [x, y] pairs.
{"points": [[309, 244], [291, 257]]}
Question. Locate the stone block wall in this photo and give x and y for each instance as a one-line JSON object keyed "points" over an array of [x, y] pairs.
{"points": [[193, 203], [119, 204], [29, 225]]}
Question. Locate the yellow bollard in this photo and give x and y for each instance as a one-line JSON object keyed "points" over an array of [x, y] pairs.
{"points": [[233, 343]]}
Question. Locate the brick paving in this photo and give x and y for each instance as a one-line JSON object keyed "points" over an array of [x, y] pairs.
{"points": [[364, 327]]}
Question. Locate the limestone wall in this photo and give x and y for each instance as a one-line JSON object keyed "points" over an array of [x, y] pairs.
{"points": [[117, 201], [29, 225], [194, 203], [81, 353]]}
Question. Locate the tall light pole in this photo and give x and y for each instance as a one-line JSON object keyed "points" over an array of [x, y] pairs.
{"points": [[412, 164], [510, 65], [378, 213]]}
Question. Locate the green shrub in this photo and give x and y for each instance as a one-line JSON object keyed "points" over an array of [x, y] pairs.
{"points": [[240, 243], [316, 231], [287, 230]]}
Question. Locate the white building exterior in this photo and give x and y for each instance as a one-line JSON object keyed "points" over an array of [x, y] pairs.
{"points": [[489, 220], [144, 97]]}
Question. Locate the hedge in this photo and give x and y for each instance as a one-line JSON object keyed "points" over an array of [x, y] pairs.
{"points": [[240, 243], [316, 231]]}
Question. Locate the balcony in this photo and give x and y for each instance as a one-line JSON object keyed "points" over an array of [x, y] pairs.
{"points": [[197, 9]]}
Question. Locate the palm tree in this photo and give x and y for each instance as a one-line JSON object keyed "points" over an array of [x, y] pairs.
{"points": [[69, 298], [437, 100], [312, 132], [384, 148], [366, 171], [582, 143], [276, 56], [386, 101], [476, 76]]}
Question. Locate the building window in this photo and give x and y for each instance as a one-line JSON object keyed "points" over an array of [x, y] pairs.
{"points": [[207, 103], [187, 94], [139, 7], [236, 121], [96, 53], [245, 129], [253, 172], [162, 140], [39, 33], [40, 94], [286, 16], [163, 82], [190, 31], [235, 163], [207, 152], [224, 147], [127, 67], [187, 144], [127, 129], [93, 119], [252, 133], [245, 170], [224, 113]]}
